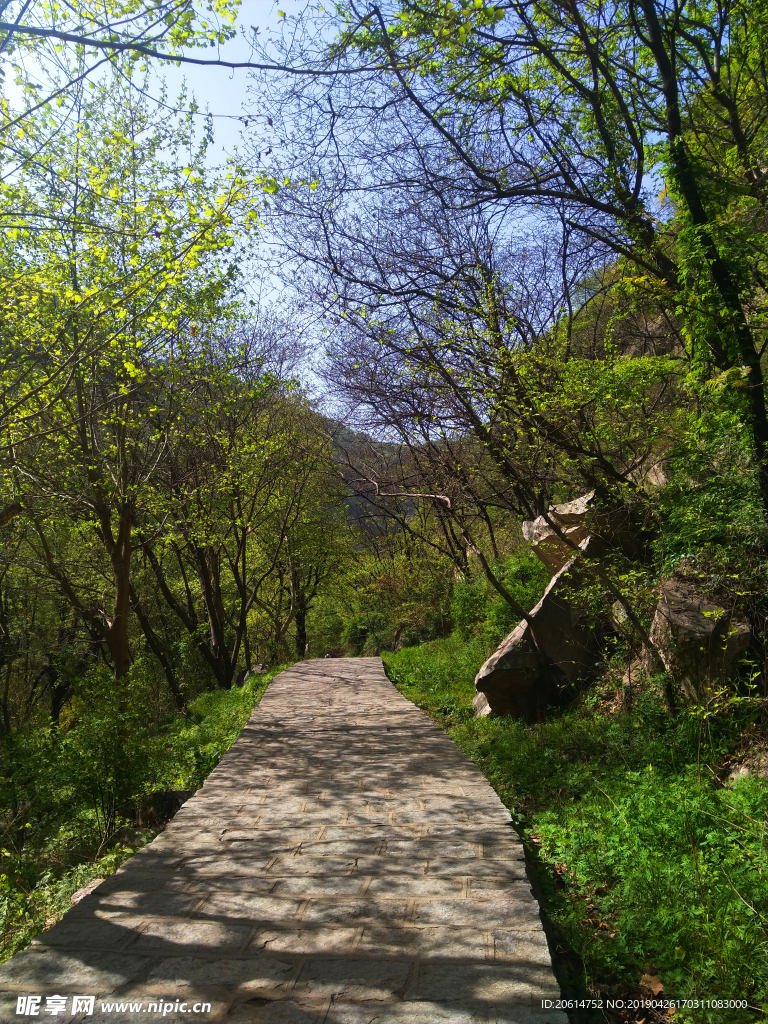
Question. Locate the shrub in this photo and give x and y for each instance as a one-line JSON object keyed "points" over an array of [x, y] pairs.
{"points": [[666, 875], [478, 610]]}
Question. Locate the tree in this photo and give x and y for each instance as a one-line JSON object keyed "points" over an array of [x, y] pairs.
{"points": [[314, 550], [576, 113], [53, 49], [232, 500], [99, 36], [127, 256]]}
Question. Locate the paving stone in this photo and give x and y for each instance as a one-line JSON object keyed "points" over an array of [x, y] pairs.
{"points": [[90, 933], [343, 885], [313, 817], [405, 1013], [301, 941], [522, 912], [340, 848], [496, 851], [357, 911], [39, 970], [128, 902], [252, 863], [379, 833], [303, 865], [166, 881], [185, 971], [371, 817], [382, 865], [171, 936], [478, 869], [430, 849], [266, 1011], [225, 819], [508, 886], [260, 884], [248, 907], [521, 947], [353, 980], [289, 837], [344, 863], [483, 983], [416, 885], [501, 834], [441, 943]]}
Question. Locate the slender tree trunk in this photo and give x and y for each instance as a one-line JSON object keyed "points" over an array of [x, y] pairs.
{"points": [[60, 694], [116, 636], [301, 625], [158, 649]]}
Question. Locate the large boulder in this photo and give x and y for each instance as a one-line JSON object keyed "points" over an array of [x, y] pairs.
{"points": [[699, 641], [523, 678], [570, 518], [576, 520]]}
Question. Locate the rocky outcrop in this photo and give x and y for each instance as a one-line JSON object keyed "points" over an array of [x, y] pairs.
{"points": [[535, 668], [544, 659], [575, 521], [571, 519], [523, 677], [699, 641]]}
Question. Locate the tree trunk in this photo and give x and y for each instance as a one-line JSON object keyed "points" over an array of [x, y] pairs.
{"points": [[60, 694], [158, 649], [683, 172], [301, 625], [116, 636]]}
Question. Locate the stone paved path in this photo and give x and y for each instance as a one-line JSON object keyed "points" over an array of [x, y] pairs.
{"points": [[344, 864]]}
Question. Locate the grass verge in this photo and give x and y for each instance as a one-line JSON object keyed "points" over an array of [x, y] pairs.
{"points": [[652, 872], [56, 795]]}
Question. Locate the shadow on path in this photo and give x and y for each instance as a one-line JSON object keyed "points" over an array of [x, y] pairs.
{"points": [[345, 863]]}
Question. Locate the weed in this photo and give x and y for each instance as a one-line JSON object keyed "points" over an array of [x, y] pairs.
{"points": [[68, 795], [646, 863]]}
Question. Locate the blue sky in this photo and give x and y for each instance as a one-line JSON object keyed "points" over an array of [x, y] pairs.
{"points": [[221, 91]]}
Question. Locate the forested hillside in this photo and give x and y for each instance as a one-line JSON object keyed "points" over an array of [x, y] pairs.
{"points": [[521, 252]]}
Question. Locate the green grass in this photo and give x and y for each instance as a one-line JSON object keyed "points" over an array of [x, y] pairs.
{"points": [[439, 675], [54, 784], [647, 865], [198, 743]]}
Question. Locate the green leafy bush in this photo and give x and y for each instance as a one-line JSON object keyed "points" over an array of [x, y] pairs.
{"points": [[478, 610], [440, 673], [672, 872], [367, 633], [24, 914], [194, 747]]}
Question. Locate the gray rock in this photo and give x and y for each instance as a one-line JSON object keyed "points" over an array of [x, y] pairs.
{"points": [[571, 519], [245, 674], [517, 680], [85, 891], [700, 642], [576, 520]]}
